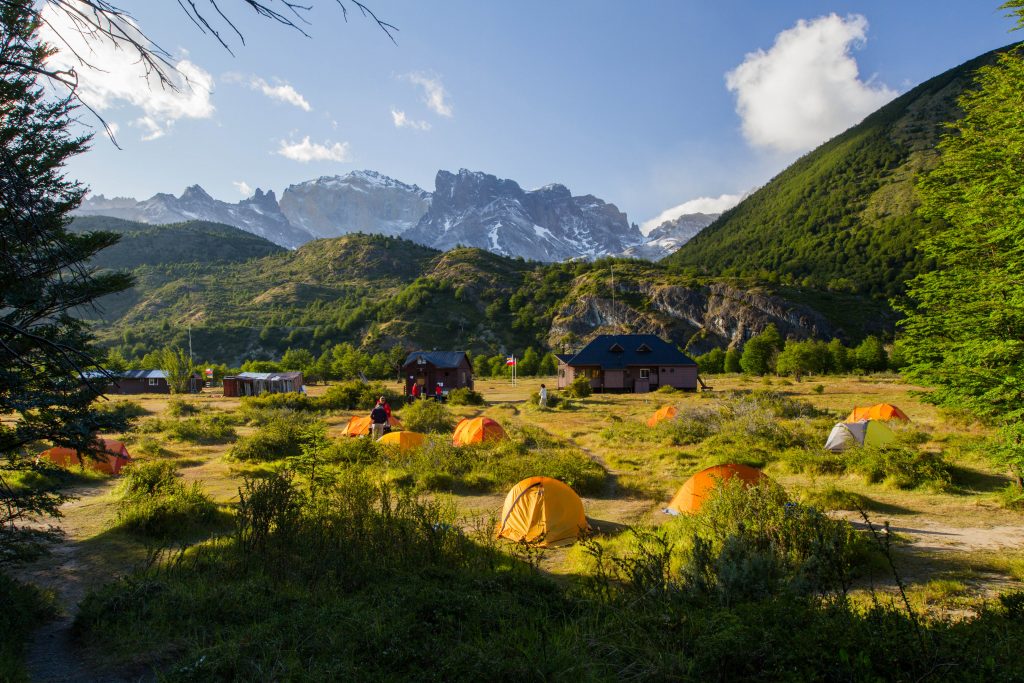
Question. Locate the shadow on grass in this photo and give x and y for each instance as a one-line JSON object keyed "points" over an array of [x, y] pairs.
{"points": [[969, 481], [606, 527]]}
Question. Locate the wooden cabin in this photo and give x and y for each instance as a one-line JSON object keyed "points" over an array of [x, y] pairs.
{"points": [[256, 383], [139, 382], [628, 363], [428, 369]]}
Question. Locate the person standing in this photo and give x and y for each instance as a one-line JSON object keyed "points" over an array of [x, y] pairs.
{"points": [[437, 392], [543, 401], [415, 391], [378, 419]]}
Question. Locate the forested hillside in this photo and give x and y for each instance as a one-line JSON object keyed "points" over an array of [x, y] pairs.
{"points": [[378, 292], [843, 216], [191, 242]]}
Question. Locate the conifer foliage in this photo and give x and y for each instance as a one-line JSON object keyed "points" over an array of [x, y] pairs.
{"points": [[964, 331], [44, 350]]}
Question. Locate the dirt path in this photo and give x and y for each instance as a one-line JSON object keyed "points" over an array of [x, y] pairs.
{"points": [[53, 655]]}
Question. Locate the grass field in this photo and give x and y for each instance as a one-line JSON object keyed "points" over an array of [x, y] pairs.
{"points": [[957, 543]]}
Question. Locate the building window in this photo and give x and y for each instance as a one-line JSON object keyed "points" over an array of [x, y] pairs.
{"points": [[595, 373], [645, 373], [152, 382], [561, 373]]}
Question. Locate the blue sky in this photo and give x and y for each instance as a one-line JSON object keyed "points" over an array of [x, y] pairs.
{"points": [[648, 105]]}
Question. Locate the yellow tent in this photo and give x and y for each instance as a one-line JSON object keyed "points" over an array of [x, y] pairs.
{"points": [[542, 510], [360, 426], [663, 413], [692, 494], [405, 441]]}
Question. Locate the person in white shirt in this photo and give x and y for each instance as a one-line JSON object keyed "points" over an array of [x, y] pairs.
{"points": [[543, 402]]}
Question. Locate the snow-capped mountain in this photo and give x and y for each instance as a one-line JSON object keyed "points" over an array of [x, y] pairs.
{"points": [[259, 214], [480, 210], [360, 201], [671, 235]]}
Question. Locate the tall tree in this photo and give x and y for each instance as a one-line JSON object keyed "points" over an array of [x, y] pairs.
{"points": [[964, 330], [45, 354], [179, 368]]}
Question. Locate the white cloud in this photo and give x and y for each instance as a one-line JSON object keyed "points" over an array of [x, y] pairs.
{"points": [[807, 87], [434, 94], [282, 92], [306, 151], [403, 121], [113, 74], [242, 187], [699, 205]]}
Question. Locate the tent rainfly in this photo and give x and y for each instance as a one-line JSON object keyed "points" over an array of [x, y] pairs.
{"points": [[477, 430], [405, 441], [662, 413], [846, 435], [543, 511], [691, 495], [879, 411], [114, 457], [360, 426]]}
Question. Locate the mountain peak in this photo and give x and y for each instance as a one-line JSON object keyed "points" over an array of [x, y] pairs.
{"points": [[195, 192]]}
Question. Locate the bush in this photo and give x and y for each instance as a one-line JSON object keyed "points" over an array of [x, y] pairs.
{"points": [[292, 400], [579, 388], [179, 407], [281, 436], [465, 397], [155, 503], [427, 416], [902, 468], [356, 395], [209, 429], [125, 409], [25, 607]]}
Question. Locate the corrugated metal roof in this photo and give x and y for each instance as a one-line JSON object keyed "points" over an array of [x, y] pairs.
{"points": [[630, 350], [439, 359], [268, 376]]}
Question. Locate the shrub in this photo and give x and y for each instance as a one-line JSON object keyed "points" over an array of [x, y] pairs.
{"points": [[179, 407], [281, 436], [427, 416], [126, 409], [25, 607], [466, 397], [579, 388], [209, 429], [155, 503], [283, 401], [149, 445], [666, 389], [356, 395], [353, 451], [903, 468]]}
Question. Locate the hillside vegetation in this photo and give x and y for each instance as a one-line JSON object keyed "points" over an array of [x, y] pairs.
{"points": [[843, 216], [378, 292]]}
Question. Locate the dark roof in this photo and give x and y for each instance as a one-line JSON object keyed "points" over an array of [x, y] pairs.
{"points": [[439, 359], [636, 349], [564, 357], [127, 374]]}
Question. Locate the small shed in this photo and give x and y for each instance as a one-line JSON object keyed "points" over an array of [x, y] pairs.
{"points": [[139, 382], [256, 383], [629, 362], [428, 369]]}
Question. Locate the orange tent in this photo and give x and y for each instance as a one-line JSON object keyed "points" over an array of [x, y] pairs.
{"points": [[406, 441], [694, 492], [360, 426], [114, 457], [879, 411], [541, 510], [663, 413], [477, 430]]}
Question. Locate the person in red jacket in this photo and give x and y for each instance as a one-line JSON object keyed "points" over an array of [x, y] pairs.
{"points": [[415, 391], [437, 392]]}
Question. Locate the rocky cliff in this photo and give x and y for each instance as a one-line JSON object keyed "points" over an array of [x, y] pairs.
{"points": [[549, 224], [360, 201]]}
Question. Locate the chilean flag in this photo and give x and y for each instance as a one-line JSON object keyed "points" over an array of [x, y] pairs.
{"points": [[511, 360]]}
